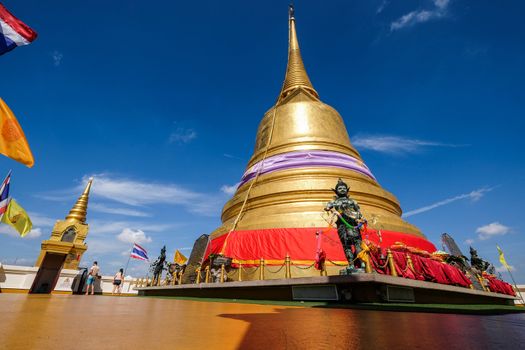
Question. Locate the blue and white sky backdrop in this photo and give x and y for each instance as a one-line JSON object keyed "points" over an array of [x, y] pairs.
{"points": [[160, 101]]}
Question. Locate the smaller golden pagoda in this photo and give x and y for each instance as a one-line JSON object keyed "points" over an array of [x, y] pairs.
{"points": [[68, 236]]}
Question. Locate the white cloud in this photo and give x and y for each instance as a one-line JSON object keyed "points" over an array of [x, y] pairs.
{"points": [[469, 241], [140, 194], [19, 261], [8, 230], [229, 189], [231, 156], [474, 196], [118, 211], [182, 135], [104, 228], [133, 236], [394, 144], [126, 252], [41, 220], [34, 233], [57, 58], [502, 268], [100, 246], [441, 4], [382, 6], [136, 193], [439, 10], [491, 230]]}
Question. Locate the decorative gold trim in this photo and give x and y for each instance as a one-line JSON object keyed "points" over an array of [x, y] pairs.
{"points": [[283, 262], [14, 290], [62, 292]]}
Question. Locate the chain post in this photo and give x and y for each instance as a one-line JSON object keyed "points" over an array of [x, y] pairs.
{"points": [[288, 273], [222, 273], [261, 271], [198, 271], [240, 272], [391, 263], [207, 278], [410, 263]]}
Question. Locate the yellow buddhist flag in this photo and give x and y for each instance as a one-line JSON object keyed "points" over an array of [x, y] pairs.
{"points": [[179, 258], [13, 143], [502, 258], [17, 217]]}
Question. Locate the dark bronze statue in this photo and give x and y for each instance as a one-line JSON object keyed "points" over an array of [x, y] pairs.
{"points": [[349, 220], [476, 262], [173, 274], [158, 266]]}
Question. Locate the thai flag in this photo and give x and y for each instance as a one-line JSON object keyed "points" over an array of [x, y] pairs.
{"points": [[13, 32], [139, 253], [4, 195]]}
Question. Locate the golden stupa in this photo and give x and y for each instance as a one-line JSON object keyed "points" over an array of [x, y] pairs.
{"points": [[302, 148], [276, 215], [67, 241]]}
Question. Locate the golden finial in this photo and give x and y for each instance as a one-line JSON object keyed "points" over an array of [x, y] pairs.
{"points": [[296, 75], [79, 211]]}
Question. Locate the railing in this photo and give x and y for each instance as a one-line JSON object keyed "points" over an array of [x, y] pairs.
{"points": [[263, 269], [291, 270]]}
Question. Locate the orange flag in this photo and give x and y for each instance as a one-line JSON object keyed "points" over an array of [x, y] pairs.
{"points": [[13, 143]]}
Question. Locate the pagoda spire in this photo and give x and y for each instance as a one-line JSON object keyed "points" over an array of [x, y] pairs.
{"points": [[79, 211], [296, 76]]}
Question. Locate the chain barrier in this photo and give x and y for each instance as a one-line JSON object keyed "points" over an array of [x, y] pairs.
{"points": [[406, 268], [384, 266], [251, 272], [417, 274], [278, 270], [304, 268], [336, 264]]}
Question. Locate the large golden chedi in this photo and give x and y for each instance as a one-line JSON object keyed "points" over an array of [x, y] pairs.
{"points": [[302, 148], [276, 215]]}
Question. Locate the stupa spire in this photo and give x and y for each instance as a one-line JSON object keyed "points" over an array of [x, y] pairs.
{"points": [[79, 211], [296, 76]]}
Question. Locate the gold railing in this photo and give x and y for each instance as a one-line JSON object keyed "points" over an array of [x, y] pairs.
{"points": [[265, 270]]}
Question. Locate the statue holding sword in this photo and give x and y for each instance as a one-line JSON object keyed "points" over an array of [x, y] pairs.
{"points": [[349, 222]]}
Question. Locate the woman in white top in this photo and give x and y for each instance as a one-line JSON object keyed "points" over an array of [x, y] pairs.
{"points": [[117, 281]]}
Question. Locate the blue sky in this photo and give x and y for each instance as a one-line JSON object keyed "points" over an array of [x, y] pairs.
{"points": [[161, 101]]}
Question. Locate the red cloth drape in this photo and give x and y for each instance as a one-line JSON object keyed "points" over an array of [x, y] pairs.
{"points": [[424, 268], [300, 244], [498, 286], [304, 247]]}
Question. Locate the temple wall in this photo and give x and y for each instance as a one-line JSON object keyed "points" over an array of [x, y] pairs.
{"points": [[521, 291], [16, 278], [19, 279]]}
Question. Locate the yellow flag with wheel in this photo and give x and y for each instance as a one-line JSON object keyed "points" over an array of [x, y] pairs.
{"points": [[502, 258], [13, 142], [179, 258], [17, 217]]}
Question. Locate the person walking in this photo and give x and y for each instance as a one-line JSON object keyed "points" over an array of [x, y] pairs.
{"points": [[117, 282], [93, 274]]}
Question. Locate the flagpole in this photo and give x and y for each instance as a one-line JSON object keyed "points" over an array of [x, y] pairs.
{"points": [[129, 258], [504, 263], [515, 285]]}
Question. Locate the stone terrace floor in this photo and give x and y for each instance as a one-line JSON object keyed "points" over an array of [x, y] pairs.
{"points": [[103, 322]]}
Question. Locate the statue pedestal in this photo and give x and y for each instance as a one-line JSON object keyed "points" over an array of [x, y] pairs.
{"points": [[350, 270]]}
